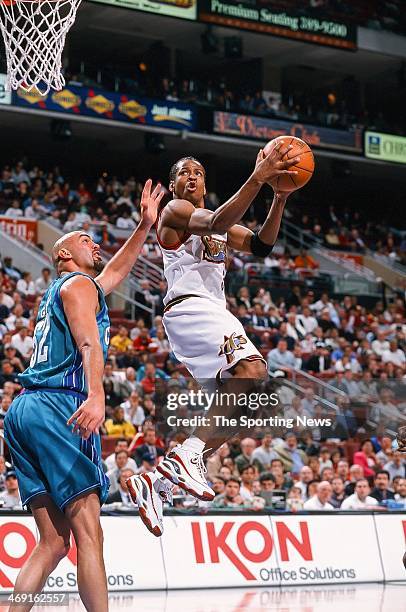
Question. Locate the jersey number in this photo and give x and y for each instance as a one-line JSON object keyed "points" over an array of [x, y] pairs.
{"points": [[40, 352]]}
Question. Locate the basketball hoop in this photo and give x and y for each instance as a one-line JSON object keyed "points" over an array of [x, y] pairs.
{"points": [[34, 33]]}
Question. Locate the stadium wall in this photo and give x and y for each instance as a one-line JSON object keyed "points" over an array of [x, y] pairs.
{"points": [[233, 550]]}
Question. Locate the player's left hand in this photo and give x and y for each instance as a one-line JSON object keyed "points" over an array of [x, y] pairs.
{"points": [[89, 417], [150, 203], [270, 167]]}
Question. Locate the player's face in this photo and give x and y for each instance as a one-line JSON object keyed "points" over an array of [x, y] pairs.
{"points": [[189, 183], [86, 253]]}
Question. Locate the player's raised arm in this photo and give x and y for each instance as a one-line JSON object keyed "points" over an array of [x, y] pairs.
{"points": [[80, 303], [122, 262], [259, 243], [183, 215]]}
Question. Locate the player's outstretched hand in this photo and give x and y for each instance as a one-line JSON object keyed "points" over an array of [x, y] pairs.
{"points": [[269, 167], [150, 203], [89, 417]]}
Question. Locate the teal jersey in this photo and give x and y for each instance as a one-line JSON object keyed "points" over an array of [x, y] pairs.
{"points": [[56, 362]]}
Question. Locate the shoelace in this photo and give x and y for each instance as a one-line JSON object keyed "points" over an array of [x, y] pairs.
{"points": [[202, 469]]}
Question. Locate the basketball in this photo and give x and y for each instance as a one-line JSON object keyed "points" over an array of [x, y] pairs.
{"points": [[304, 168]]}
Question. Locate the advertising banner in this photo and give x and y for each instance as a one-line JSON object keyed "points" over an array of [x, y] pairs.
{"points": [[386, 147], [260, 16], [391, 531], [100, 104], [226, 550], [23, 228], [271, 551], [264, 128], [133, 556], [5, 96], [184, 9]]}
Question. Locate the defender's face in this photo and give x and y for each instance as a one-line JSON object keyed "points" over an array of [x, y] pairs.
{"points": [[189, 183], [86, 253]]}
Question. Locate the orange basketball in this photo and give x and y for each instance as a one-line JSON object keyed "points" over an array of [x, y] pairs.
{"points": [[304, 168]]}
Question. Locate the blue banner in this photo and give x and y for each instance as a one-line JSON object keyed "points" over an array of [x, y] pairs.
{"points": [[264, 128], [101, 104]]}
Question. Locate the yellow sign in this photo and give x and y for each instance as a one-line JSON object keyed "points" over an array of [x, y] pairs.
{"points": [[99, 104], [33, 97], [66, 99], [132, 109]]}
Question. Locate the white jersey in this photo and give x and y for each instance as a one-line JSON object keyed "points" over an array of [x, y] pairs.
{"points": [[203, 334], [195, 265]]}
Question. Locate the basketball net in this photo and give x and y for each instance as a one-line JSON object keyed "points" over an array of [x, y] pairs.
{"points": [[34, 33]]}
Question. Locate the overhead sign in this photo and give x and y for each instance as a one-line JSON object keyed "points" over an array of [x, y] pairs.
{"points": [[264, 128], [259, 16], [107, 105], [184, 9], [22, 228], [5, 96], [386, 147]]}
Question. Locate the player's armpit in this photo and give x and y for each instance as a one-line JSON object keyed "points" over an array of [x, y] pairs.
{"points": [[239, 238]]}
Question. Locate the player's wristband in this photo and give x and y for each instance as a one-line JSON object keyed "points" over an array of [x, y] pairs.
{"points": [[260, 248]]}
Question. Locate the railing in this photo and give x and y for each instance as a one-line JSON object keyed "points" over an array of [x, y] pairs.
{"points": [[30, 248], [294, 233], [324, 388], [319, 399]]}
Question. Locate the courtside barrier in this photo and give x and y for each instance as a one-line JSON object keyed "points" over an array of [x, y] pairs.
{"points": [[226, 550]]}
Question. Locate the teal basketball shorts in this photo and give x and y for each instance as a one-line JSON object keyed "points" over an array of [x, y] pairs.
{"points": [[47, 456]]}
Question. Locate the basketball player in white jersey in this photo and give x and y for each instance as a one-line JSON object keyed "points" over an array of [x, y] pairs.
{"points": [[203, 334]]}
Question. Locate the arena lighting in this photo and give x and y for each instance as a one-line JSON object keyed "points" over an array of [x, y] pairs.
{"points": [[60, 129], [209, 41], [233, 47], [340, 168], [154, 143]]}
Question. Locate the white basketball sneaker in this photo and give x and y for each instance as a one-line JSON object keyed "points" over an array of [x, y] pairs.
{"points": [[149, 492], [186, 469]]}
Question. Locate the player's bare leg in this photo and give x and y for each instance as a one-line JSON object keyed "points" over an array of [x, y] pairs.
{"points": [[184, 465], [246, 375], [53, 545], [83, 515]]}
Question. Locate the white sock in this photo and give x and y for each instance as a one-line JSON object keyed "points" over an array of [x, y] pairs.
{"points": [[194, 444]]}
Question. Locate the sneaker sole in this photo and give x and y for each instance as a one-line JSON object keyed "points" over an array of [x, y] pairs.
{"points": [[175, 480], [156, 531]]}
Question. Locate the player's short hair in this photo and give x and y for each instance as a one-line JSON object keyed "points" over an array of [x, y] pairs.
{"points": [[173, 170]]}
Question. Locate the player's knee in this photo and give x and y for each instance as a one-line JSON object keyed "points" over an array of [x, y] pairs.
{"points": [[255, 370], [58, 549]]}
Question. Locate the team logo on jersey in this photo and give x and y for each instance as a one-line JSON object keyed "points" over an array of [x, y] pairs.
{"points": [[231, 344], [215, 250]]}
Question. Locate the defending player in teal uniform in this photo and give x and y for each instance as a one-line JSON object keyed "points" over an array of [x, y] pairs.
{"points": [[52, 427]]}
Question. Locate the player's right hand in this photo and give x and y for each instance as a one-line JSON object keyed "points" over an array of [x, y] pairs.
{"points": [[89, 417], [269, 167]]}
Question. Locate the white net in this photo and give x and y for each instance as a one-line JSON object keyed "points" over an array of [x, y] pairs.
{"points": [[34, 33]]}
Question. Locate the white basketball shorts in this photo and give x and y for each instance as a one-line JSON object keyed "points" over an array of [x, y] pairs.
{"points": [[206, 337]]}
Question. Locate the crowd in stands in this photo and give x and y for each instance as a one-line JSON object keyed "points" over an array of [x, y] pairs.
{"points": [[349, 230], [360, 351]]}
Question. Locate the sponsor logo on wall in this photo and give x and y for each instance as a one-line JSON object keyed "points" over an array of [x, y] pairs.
{"points": [[5, 96], [108, 105]]}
